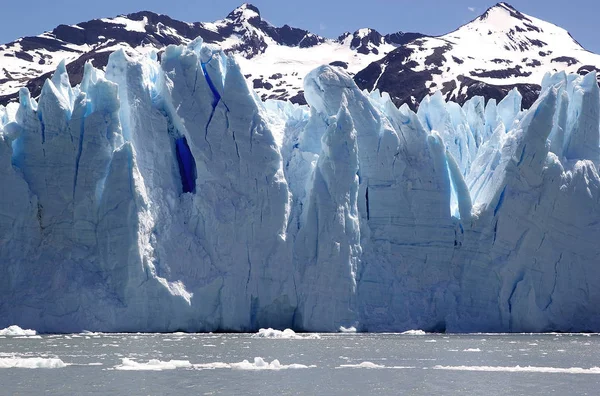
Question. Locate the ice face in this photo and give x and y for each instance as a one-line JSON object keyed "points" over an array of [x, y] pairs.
{"points": [[166, 196], [328, 245]]}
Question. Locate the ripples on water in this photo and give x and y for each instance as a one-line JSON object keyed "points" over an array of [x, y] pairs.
{"points": [[272, 362]]}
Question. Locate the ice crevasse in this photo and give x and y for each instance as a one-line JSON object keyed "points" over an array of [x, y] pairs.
{"points": [[165, 196]]}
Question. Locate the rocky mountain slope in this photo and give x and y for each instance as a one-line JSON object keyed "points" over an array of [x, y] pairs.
{"points": [[500, 50], [275, 59]]}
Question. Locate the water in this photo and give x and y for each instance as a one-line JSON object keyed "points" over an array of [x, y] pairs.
{"points": [[406, 364]]}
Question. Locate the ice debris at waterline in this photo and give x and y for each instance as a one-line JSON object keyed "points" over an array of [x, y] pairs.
{"points": [[152, 365], [259, 364], [519, 369], [287, 334], [31, 363], [414, 332], [17, 331], [165, 196]]}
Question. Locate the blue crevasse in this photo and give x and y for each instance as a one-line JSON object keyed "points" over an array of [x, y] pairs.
{"points": [[187, 165]]}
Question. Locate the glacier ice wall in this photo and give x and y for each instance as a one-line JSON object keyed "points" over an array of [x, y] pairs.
{"points": [[164, 195]]}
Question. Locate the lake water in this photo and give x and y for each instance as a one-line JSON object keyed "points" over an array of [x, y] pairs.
{"points": [[334, 364]]}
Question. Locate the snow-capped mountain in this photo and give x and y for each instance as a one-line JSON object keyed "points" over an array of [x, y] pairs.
{"points": [[274, 59], [500, 50]]}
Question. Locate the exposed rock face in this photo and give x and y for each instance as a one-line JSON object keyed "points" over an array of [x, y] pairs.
{"points": [[29, 61]]}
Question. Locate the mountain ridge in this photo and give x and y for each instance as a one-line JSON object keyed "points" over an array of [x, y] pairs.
{"points": [[513, 50], [242, 32], [409, 66]]}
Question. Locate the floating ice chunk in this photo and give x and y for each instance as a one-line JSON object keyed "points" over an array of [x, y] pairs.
{"points": [[472, 350], [17, 331], [260, 364], [152, 365], [288, 334], [212, 366], [32, 363], [347, 329], [414, 332], [158, 365], [525, 369], [367, 365]]}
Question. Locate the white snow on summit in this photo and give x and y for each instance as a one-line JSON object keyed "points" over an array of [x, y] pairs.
{"points": [[505, 39]]}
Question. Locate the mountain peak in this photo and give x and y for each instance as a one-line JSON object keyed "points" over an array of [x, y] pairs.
{"points": [[366, 41], [505, 5], [504, 9], [245, 12]]}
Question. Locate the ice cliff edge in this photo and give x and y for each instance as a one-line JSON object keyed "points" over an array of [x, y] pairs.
{"points": [[164, 196]]}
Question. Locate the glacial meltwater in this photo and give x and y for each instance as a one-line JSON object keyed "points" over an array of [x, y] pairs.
{"points": [[286, 363]]}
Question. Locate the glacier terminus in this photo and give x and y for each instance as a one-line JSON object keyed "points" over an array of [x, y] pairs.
{"points": [[163, 195]]}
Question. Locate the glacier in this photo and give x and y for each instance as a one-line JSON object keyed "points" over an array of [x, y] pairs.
{"points": [[164, 195]]}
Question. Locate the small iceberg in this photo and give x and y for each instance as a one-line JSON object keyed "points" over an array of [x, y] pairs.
{"points": [[17, 331], [287, 334]]}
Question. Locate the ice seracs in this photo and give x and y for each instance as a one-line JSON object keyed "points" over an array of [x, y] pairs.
{"points": [[166, 196]]}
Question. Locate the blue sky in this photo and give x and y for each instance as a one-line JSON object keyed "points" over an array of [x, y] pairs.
{"points": [[326, 17]]}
